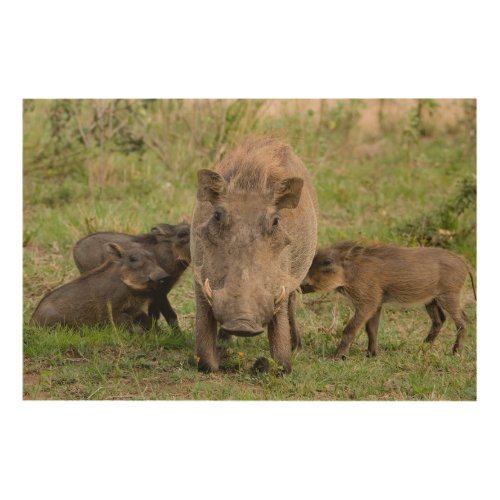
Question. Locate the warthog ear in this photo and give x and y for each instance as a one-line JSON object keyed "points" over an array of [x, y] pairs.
{"points": [[114, 250], [287, 192], [210, 185]]}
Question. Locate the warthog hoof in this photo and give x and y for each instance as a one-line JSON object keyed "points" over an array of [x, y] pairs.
{"points": [[205, 367], [296, 344], [222, 352], [136, 329], [174, 326], [261, 365]]}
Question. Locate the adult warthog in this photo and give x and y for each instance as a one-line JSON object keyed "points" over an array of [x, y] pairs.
{"points": [[253, 239]]}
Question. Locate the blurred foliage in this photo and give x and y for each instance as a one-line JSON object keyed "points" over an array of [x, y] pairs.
{"points": [[107, 161], [418, 125], [440, 227], [70, 137], [343, 116]]}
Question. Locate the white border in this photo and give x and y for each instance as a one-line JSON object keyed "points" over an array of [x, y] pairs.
{"points": [[259, 49]]}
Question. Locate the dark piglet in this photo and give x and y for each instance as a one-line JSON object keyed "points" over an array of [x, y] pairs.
{"points": [[168, 243], [119, 289], [371, 275]]}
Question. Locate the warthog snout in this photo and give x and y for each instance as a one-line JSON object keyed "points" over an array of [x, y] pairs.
{"points": [[307, 288], [243, 312], [159, 276], [242, 327]]}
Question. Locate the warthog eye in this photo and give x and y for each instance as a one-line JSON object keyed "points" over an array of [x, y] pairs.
{"points": [[276, 221], [218, 214], [327, 262], [133, 258]]}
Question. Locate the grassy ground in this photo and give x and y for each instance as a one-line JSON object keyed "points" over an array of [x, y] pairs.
{"points": [[371, 181]]}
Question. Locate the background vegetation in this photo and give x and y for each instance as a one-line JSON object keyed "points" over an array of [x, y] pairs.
{"points": [[399, 171]]}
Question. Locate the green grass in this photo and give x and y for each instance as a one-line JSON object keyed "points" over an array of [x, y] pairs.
{"points": [[361, 195]]}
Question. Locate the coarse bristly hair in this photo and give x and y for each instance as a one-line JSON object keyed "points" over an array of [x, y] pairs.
{"points": [[255, 165], [353, 248]]}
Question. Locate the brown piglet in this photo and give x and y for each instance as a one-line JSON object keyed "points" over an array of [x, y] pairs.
{"points": [[168, 243], [118, 290], [371, 275]]}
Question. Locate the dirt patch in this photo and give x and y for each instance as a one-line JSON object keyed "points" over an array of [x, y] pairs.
{"points": [[31, 379], [31, 387]]}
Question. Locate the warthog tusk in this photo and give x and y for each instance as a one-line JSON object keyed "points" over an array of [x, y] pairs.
{"points": [[208, 291], [279, 300]]}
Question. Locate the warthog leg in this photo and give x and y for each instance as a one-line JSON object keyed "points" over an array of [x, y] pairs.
{"points": [[206, 334], [280, 342], [361, 316], [451, 304], [371, 328], [294, 331], [437, 317], [168, 312]]}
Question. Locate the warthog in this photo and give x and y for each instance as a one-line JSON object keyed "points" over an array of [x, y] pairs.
{"points": [[170, 246], [371, 275], [253, 240], [119, 290]]}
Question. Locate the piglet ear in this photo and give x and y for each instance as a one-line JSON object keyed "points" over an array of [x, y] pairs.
{"points": [[183, 232], [114, 250], [211, 186], [355, 251], [287, 192], [163, 230]]}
